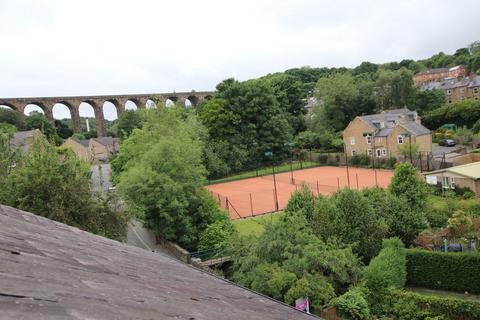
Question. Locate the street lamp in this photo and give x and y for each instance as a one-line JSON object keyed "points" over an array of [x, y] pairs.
{"points": [[269, 154], [290, 145]]}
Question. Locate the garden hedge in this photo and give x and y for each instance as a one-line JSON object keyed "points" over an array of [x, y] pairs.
{"points": [[453, 308], [446, 271]]}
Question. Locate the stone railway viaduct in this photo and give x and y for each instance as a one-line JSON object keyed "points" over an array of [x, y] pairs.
{"points": [[119, 101]]}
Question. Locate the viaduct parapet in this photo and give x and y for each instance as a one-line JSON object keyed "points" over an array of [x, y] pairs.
{"points": [[119, 101]]}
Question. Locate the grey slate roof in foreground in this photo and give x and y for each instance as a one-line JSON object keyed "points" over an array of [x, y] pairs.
{"points": [[49, 270]]}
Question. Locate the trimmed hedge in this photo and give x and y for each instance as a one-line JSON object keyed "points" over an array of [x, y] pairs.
{"points": [[445, 271], [453, 308]]}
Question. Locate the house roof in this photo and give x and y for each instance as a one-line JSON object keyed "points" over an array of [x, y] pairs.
{"points": [[470, 170], [415, 128], [475, 82], [19, 139], [430, 71], [49, 270], [106, 141], [82, 142]]}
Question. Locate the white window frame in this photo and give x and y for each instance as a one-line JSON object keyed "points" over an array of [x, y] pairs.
{"points": [[370, 152], [449, 92], [352, 141], [368, 138], [378, 153], [400, 139], [384, 152], [354, 152]]}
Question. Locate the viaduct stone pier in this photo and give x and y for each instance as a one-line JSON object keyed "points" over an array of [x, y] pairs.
{"points": [[119, 101]]}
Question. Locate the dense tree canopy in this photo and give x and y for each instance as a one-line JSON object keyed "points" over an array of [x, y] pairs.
{"points": [[160, 175], [250, 119]]}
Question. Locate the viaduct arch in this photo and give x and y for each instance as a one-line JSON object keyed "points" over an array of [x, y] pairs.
{"points": [[119, 101]]}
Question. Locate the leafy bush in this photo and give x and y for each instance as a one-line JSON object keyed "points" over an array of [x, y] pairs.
{"points": [[410, 305], [445, 271], [352, 305], [360, 160], [302, 200], [388, 269]]}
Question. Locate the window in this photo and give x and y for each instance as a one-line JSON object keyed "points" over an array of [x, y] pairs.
{"points": [[384, 152], [369, 138], [449, 101], [400, 139], [352, 141], [449, 92], [378, 152], [370, 152], [475, 90], [354, 153]]}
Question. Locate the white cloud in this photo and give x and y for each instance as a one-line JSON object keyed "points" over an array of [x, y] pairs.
{"points": [[55, 47]]}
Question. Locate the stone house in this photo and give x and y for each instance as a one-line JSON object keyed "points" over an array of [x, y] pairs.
{"points": [[94, 150], [464, 176], [22, 140], [382, 134], [438, 74], [457, 89]]}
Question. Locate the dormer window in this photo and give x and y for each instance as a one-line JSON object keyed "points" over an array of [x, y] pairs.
{"points": [[400, 139]]}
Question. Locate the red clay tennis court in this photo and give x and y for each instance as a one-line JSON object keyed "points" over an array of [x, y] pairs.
{"points": [[256, 196]]}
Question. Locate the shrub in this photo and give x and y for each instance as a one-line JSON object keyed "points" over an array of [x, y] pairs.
{"points": [[360, 160], [445, 271], [388, 269], [352, 305], [432, 307], [302, 200]]}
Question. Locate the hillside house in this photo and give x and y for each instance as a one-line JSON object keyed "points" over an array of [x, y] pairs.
{"points": [[382, 134]]}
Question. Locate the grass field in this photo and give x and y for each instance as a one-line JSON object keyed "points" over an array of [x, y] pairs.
{"points": [[254, 225], [441, 293], [265, 171]]}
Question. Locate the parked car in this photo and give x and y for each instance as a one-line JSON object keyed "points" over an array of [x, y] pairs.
{"points": [[447, 143]]}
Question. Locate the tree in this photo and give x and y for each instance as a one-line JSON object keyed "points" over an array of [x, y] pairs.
{"points": [[338, 95], [318, 289], [461, 113], [160, 175], [57, 186], [288, 259], [127, 122], [352, 305], [63, 130], [394, 89], [290, 96], [37, 120], [12, 117], [248, 117], [407, 184], [409, 150], [350, 218], [428, 100]]}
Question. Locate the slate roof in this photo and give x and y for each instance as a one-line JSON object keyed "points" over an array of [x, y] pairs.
{"points": [[415, 128], [82, 142], [390, 119], [19, 139], [475, 82], [453, 83], [49, 270]]}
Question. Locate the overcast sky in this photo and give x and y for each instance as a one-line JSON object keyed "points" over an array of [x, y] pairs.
{"points": [[88, 47]]}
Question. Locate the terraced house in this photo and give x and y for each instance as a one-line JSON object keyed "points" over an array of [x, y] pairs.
{"points": [[381, 135]]}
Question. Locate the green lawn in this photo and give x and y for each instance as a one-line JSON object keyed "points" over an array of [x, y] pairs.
{"points": [[254, 225], [265, 171], [442, 293]]}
